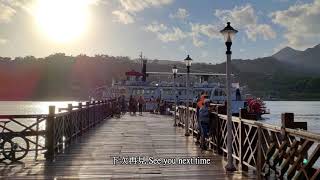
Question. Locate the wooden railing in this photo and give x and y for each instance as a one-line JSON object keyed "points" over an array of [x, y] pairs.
{"points": [[50, 134], [269, 150], [30, 127]]}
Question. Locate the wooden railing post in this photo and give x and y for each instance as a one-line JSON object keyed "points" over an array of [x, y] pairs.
{"points": [[219, 135], [72, 124], [50, 135], [87, 115], [95, 113], [259, 158], [37, 140], [81, 118], [287, 120], [242, 145]]}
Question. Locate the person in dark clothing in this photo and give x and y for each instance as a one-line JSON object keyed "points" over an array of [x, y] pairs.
{"points": [[134, 105], [200, 102], [123, 104], [141, 102], [204, 123], [131, 105]]}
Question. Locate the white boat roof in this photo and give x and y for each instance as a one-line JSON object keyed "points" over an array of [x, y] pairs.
{"points": [[196, 74]]}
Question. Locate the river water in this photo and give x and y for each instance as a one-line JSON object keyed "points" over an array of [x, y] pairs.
{"points": [[304, 111], [308, 111]]}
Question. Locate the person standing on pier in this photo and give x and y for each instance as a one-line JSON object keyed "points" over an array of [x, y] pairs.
{"points": [[152, 105], [123, 104], [158, 105], [134, 105], [141, 104], [200, 102], [204, 123], [131, 105]]}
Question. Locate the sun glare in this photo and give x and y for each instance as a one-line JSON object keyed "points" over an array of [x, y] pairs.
{"points": [[62, 20]]}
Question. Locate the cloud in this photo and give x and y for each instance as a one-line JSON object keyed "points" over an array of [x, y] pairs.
{"points": [[164, 33], [6, 13], [208, 30], [128, 8], [200, 30], [242, 50], [30, 6], [281, 1], [173, 35], [3, 41], [204, 54], [139, 5], [239, 16], [156, 27], [245, 18], [301, 22], [196, 33], [182, 48], [197, 42], [262, 29], [181, 14], [123, 17]]}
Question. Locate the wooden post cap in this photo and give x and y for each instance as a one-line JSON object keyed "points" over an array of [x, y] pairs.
{"points": [[287, 120]]}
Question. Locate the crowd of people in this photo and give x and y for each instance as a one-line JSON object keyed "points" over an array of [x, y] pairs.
{"points": [[136, 104], [139, 104], [159, 106]]}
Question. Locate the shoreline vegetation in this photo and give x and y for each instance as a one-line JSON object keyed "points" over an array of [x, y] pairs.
{"points": [[62, 77]]}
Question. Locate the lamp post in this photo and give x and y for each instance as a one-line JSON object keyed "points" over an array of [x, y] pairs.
{"points": [[188, 62], [228, 32], [175, 71]]}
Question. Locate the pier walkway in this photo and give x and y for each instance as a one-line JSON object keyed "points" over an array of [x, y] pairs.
{"points": [[150, 135]]}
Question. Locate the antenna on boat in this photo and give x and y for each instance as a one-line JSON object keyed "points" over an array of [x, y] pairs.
{"points": [[141, 57], [143, 67]]}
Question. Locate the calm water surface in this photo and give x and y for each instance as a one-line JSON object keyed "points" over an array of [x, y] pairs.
{"points": [[30, 107], [304, 110], [308, 111]]}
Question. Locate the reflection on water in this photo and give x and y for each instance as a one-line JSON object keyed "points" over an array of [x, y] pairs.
{"points": [[25, 108], [30, 107], [304, 111], [308, 111]]}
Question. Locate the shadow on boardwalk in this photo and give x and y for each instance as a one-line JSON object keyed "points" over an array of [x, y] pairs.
{"points": [[131, 136]]}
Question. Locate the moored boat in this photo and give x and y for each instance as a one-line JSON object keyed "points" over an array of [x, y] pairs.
{"points": [[137, 84]]}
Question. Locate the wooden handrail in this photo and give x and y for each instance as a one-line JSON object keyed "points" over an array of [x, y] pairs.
{"points": [[60, 129], [264, 147]]}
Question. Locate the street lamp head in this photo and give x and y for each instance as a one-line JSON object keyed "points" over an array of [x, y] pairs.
{"points": [[174, 70], [188, 61], [228, 32]]}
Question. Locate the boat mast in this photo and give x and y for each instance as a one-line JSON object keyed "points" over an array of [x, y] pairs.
{"points": [[143, 67]]}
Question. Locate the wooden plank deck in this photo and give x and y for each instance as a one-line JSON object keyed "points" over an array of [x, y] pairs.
{"points": [[91, 156]]}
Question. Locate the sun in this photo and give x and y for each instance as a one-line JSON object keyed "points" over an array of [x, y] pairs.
{"points": [[62, 20]]}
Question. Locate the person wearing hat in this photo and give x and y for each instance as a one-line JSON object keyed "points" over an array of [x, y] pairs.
{"points": [[204, 123]]}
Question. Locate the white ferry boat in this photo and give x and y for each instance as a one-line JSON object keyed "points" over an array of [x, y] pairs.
{"points": [[136, 84]]}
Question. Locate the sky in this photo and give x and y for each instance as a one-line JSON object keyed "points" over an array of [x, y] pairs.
{"points": [[161, 29]]}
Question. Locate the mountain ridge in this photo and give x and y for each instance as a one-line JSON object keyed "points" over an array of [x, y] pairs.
{"points": [[307, 59]]}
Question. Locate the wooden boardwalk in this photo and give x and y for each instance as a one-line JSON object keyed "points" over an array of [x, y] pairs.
{"points": [[91, 156]]}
